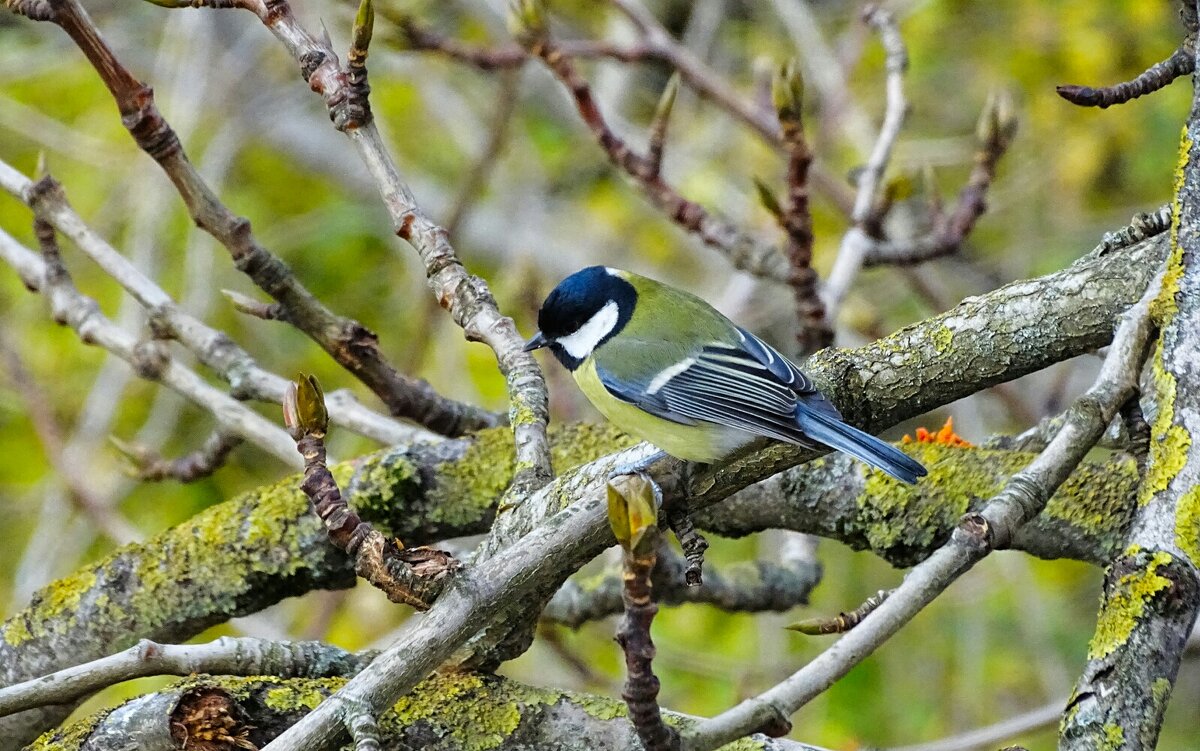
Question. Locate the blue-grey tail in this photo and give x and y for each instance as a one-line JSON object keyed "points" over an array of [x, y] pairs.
{"points": [[824, 427]]}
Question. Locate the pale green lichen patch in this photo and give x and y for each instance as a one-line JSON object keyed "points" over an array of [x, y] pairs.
{"points": [[902, 522], [69, 737], [1187, 524], [1169, 442], [477, 712], [54, 603], [1097, 499], [942, 337], [300, 695], [1126, 601], [1114, 738]]}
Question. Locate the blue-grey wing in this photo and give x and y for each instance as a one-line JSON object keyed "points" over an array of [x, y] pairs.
{"points": [[741, 387], [778, 365]]}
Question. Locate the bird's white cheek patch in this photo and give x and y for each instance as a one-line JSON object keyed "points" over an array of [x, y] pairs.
{"points": [[580, 344]]}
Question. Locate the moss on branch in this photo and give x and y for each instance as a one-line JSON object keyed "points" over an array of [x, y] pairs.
{"points": [[837, 497], [447, 712]]}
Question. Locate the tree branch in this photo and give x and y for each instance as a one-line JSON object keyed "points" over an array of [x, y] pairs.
{"points": [[1152, 589], [856, 242], [743, 251], [350, 343], [70, 307], [746, 587], [509, 716], [225, 656]]}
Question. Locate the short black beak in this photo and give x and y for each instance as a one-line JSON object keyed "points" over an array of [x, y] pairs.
{"points": [[537, 342]]}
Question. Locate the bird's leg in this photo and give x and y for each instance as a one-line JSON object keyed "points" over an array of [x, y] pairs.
{"points": [[640, 467], [677, 511], [679, 519]]}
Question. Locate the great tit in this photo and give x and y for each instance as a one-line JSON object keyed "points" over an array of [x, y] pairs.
{"points": [[666, 367]]}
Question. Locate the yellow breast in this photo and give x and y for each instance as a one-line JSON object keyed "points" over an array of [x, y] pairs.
{"points": [[704, 442]]}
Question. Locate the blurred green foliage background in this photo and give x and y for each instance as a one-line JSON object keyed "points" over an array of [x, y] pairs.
{"points": [[1008, 637]]}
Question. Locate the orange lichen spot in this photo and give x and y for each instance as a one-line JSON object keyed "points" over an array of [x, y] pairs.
{"points": [[945, 436]]}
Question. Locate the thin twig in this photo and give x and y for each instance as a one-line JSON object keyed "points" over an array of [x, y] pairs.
{"points": [[350, 343], [857, 241], [212, 347], [225, 656], [997, 127], [743, 587], [81, 313], [743, 251], [632, 503], [842, 622], [465, 296], [986, 738], [1181, 62], [1022, 498], [796, 217], [148, 465]]}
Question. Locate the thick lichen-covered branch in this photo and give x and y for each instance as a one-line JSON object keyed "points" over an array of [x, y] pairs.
{"points": [[250, 552], [1152, 590], [504, 716]]}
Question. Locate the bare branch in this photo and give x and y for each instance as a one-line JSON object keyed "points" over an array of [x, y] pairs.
{"points": [[743, 251], [997, 127], [225, 656], [632, 514], [465, 296], [986, 738], [746, 587], [414, 577], [147, 464], [842, 622], [213, 348], [81, 313], [349, 342], [1181, 62], [796, 217], [857, 242]]}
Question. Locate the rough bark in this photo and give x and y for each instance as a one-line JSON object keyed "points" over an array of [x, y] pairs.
{"points": [[504, 716], [1152, 590]]}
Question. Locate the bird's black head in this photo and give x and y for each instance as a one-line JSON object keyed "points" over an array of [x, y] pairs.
{"points": [[585, 310]]}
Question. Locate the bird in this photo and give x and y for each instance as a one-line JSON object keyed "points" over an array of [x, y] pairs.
{"points": [[665, 367]]}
